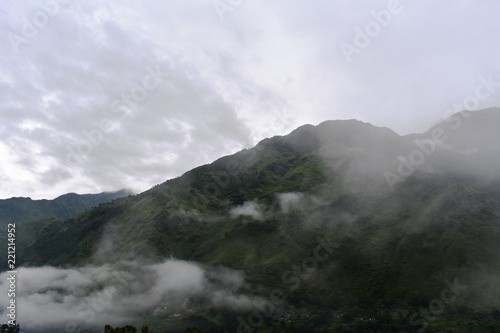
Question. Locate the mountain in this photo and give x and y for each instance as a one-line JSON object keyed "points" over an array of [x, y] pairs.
{"points": [[23, 210], [403, 223], [33, 216]]}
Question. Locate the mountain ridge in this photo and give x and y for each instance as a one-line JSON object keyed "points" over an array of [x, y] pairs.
{"points": [[24, 209]]}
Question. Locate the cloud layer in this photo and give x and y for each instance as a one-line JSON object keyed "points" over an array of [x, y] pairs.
{"points": [[74, 80], [97, 295]]}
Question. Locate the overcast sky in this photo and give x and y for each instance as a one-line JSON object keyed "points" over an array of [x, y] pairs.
{"points": [[103, 95]]}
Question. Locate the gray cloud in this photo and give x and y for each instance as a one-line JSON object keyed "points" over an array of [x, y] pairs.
{"points": [[263, 70], [291, 201]]}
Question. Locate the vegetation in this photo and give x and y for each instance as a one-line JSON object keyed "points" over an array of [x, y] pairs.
{"points": [[23, 210], [10, 328], [124, 329], [35, 219]]}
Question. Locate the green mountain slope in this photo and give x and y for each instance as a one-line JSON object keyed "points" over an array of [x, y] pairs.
{"points": [[35, 218]]}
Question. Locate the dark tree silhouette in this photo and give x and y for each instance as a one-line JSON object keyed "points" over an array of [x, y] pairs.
{"points": [[10, 329], [125, 329], [194, 330]]}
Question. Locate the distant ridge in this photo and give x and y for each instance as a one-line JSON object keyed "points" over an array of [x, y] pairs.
{"points": [[23, 210]]}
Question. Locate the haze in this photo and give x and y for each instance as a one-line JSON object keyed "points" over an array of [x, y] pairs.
{"points": [[207, 81]]}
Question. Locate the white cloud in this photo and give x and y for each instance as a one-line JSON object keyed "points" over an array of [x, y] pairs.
{"points": [[249, 208], [290, 201], [296, 201]]}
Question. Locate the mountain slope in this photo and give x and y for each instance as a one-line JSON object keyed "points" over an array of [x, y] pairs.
{"points": [[35, 218]]}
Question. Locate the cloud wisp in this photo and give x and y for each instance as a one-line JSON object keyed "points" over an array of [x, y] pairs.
{"points": [[248, 208]]}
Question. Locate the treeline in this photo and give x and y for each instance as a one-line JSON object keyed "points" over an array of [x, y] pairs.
{"points": [[124, 329], [132, 329], [9, 328]]}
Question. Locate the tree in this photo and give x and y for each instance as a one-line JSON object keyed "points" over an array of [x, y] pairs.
{"points": [[9, 328], [124, 329]]}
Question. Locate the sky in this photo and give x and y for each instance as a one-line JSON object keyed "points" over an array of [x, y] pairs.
{"points": [[99, 96]]}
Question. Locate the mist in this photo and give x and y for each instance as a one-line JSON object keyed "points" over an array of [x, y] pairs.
{"points": [[290, 201], [51, 297], [249, 208]]}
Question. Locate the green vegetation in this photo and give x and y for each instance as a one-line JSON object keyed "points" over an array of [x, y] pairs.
{"points": [[37, 219], [23, 210]]}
